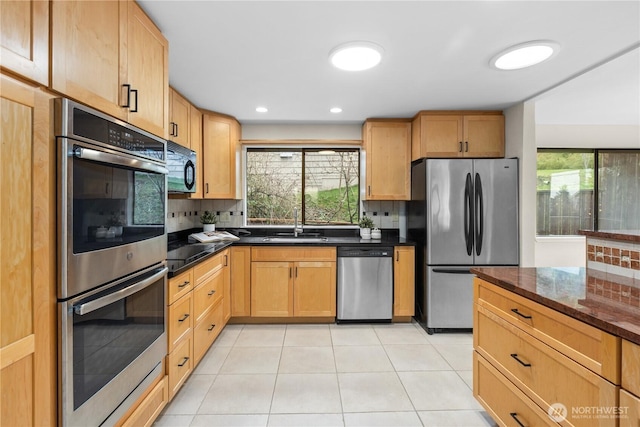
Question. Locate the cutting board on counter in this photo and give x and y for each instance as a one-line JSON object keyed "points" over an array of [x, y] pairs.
{"points": [[213, 236]]}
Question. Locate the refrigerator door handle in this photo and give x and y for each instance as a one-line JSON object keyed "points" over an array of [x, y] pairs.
{"points": [[479, 214], [468, 224], [451, 271]]}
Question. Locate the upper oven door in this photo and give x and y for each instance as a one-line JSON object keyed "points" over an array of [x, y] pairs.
{"points": [[112, 215]]}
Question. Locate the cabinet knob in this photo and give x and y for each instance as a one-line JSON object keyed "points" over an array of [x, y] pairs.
{"points": [[210, 328], [185, 283], [183, 318], [184, 361]]}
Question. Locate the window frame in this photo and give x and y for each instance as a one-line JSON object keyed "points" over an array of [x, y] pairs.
{"points": [[302, 147]]}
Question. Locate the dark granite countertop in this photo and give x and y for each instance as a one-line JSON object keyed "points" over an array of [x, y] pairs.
{"points": [[606, 301], [624, 235]]}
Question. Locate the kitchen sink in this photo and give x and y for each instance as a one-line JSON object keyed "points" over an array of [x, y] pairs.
{"points": [[300, 234], [293, 239]]}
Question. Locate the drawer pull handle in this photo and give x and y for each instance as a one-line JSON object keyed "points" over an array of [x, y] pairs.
{"points": [[514, 415], [213, 325], [185, 360], [185, 317], [182, 285], [213, 291], [515, 356], [515, 310]]}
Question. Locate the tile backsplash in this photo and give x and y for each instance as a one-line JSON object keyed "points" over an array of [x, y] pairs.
{"points": [[616, 257]]}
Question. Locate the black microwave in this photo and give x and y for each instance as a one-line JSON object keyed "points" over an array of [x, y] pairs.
{"points": [[181, 163]]}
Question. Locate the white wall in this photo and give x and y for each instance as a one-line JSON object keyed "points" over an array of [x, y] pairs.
{"points": [[587, 136]]}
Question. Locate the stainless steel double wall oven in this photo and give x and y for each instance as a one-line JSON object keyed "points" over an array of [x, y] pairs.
{"points": [[111, 259]]}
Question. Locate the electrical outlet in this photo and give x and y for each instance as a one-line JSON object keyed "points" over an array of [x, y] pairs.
{"points": [[225, 217], [395, 218]]}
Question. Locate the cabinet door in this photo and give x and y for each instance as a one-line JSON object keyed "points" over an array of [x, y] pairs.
{"points": [[314, 289], [27, 261], [24, 39], [484, 136], [147, 72], [179, 124], [441, 136], [388, 159], [240, 281], [631, 403], [404, 281], [271, 289], [219, 139], [207, 294], [226, 280], [195, 136], [94, 33]]}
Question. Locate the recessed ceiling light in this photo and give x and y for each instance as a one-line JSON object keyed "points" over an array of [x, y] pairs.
{"points": [[525, 55], [336, 110], [356, 56], [262, 109]]}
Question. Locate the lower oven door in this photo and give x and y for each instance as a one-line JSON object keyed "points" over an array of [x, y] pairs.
{"points": [[111, 340]]}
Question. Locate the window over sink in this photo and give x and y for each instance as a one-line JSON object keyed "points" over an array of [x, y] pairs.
{"points": [[322, 183]]}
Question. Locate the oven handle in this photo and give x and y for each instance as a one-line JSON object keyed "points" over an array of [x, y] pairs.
{"points": [[97, 303], [99, 156]]}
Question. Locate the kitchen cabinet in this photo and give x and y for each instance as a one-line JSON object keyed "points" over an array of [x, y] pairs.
{"points": [[293, 282], [195, 142], [28, 326], [240, 281], [457, 134], [150, 406], [404, 281], [128, 76], [630, 392], [221, 156], [179, 121], [387, 147], [548, 356], [179, 331], [24, 39]]}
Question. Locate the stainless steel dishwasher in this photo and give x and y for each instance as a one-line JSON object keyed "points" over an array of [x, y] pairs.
{"points": [[365, 284]]}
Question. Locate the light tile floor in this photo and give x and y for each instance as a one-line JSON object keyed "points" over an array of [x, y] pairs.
{"points": [[330, 375]]}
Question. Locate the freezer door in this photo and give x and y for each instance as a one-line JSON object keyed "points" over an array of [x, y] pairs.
{"points": [[448, 215], [496, 212], [449, 298]]}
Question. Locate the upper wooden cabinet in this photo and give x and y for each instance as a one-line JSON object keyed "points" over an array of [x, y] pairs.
{"points": [[195, 141], [220, 155], [24, 39], [179, 119], [452, 134], [387, 146], [110, 56]]}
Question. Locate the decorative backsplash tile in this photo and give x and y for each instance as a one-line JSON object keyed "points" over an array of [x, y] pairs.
{"points": [[611, 256], [627, 296]]}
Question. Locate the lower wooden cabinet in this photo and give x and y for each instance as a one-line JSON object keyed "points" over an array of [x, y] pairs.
{"points": [[630, 409], [631, 367], [180, 364], [271, 289], [151, 406], [404, 261], [206, 331], [314, 289], [240, 281]]}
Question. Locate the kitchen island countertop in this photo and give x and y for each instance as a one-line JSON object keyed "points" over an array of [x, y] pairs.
{"points": [[606, 301]]}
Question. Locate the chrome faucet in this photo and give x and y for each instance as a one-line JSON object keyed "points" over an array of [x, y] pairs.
{"points": [[295, 223]]}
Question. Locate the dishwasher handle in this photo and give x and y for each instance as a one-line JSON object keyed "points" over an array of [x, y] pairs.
{"points": [[360, 252]]}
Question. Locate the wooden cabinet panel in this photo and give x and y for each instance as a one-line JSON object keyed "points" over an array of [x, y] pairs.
{"points": [[631, 367], [220, 145], [180, 320], [314, 289], [180, 365], [209, 267], [630, 404], [195, 137], [180, 285], [292, 253], [24, 39], [27, 257], [543, 373], [404, 281], [206, 331], [484, 136], [90, 32], [152, 405], [271, 289], [387, 147], [148, 72], [589, 346], [240, 281], [207, 294], [506, 404], [179, 122]]}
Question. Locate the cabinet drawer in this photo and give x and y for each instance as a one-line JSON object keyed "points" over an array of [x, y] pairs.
{"points": [[151, 406], [206, 331], [180, 285], [180, 365], [631, 367], [589, 346], [542, 373], [503, 400], [630, 407], [291, 254], [208, 293], [180, 320], [206, 269]]}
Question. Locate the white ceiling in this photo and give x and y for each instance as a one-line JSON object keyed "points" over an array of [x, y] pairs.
{"points": [[232, 56]]}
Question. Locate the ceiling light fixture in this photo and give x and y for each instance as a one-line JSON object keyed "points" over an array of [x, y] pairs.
{"points": [[261, 109], [525, 55], [356, 56], [336, 110]]}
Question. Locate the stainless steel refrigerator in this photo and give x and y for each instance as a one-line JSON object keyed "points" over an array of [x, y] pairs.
{"points": [[463, 213]]}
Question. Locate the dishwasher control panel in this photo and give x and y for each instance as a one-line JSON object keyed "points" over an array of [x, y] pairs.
{"points": [[359, 252]]}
